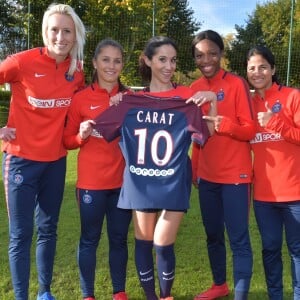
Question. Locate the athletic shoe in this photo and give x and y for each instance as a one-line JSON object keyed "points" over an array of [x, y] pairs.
{"points": [[89, 298], [120, 296], [215, 292], [45, 296], [168, 298]]}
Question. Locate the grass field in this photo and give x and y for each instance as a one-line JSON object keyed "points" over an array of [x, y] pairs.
{"points": [[192, 273]]}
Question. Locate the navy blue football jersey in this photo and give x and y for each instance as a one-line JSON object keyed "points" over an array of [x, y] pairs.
{"points": [[155, 140]]}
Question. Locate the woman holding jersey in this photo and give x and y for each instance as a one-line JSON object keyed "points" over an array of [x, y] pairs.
{"points": [[99, 173], [223, 169]]}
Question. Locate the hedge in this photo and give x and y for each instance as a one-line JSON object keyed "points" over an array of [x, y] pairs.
{"points": [[4, 106]]}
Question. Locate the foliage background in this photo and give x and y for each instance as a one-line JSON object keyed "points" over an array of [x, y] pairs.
{"points": [[133, 22]]}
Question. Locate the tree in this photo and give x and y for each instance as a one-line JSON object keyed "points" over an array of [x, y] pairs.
{"points": [[181, 26], [269, 25], [246, 37], [12, 38], [130, 22]]}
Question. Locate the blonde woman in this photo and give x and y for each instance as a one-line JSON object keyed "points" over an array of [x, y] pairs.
{"points": [[43, 81]]}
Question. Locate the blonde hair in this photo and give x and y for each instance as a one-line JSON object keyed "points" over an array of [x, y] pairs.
{"points": [[76, 52]]}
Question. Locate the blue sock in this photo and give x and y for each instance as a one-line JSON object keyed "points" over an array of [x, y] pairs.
{"points": [[165, 257], [145, 267]]}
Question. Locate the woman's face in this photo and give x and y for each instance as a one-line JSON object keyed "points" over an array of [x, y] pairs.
{"points": [[109, 65], [163, 64], [61, 36], [259, 72], [208, 57]]}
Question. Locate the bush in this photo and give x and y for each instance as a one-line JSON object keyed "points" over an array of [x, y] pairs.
{"points": [[4, 98], [4, 106]]}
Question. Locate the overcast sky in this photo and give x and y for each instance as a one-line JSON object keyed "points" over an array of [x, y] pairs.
{"points": [[222, 15]]}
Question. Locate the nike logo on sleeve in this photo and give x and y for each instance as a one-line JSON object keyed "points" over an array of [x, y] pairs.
{"points": [[94, 107]]}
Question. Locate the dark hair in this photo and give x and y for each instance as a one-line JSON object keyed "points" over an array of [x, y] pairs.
{"points": [[267, 54], [103, 44], [207, 35], [149, 50]]}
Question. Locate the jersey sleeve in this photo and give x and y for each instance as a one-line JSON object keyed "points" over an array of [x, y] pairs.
{"points": [[243, 128], [71, 137], [9, 70], [109, 123], [194, 159], [288, 125]]}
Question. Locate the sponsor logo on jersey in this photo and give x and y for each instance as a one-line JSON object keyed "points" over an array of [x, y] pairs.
{"points": [[151, 172], [154, 117], [49, 103], [262, 137]]}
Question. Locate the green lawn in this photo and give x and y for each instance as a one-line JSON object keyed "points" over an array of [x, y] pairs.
{"points": [[192, 273]]}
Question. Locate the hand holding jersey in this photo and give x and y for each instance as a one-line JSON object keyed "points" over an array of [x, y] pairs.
{"points": [[155, 139], [223, 168], [86, 129], [116, 99], [202, 98]]}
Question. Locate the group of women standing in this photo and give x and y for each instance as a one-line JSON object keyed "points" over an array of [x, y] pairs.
{"points": [[148, 140]]}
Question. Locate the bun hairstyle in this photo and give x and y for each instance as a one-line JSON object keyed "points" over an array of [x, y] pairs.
{"points": [[149, 51]]}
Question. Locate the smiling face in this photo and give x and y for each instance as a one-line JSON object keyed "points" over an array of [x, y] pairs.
{"points": [[259, 73], [208, 57], [109, 64], [162, 64], [60, 35]]}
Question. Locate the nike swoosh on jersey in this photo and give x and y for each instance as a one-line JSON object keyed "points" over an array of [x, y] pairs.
{"points": [[94, 107], [39, 75], [145, 273]]}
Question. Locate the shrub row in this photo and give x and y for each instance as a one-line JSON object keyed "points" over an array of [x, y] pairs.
{"points": [[4, 105]]}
